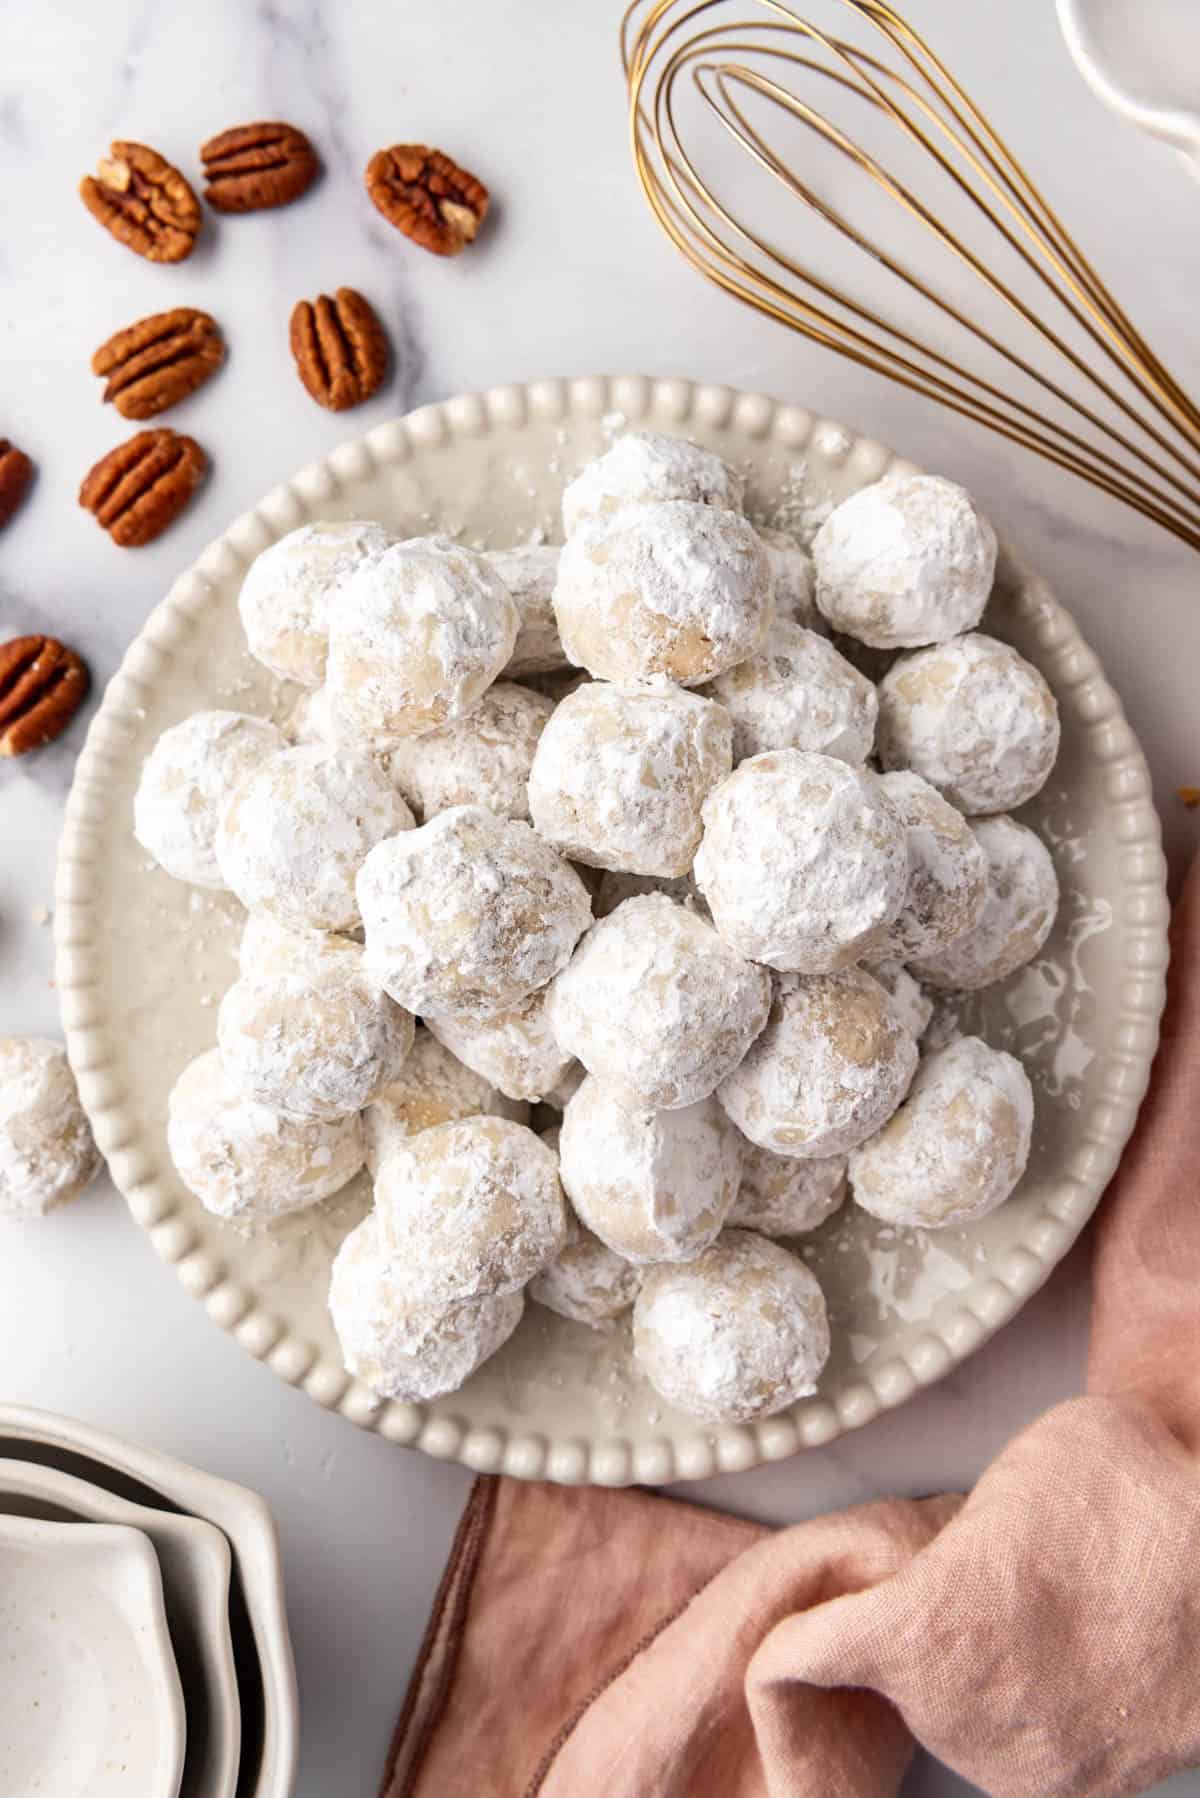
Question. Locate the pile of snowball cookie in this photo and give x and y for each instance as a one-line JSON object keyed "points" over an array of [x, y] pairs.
{"points": [[598, 830]]}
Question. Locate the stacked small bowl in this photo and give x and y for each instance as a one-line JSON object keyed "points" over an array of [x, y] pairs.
{"points": [[143, 1601]]}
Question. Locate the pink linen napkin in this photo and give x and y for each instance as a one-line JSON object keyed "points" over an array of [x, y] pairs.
{"points": [[1042, 1636]]}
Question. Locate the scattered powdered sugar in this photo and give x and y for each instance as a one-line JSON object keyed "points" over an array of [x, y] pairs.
{"points": [[652, 1185], [530, 574], [781, 1196], [316, 1041], [185, 783], [673, 588], [905, 561], [803, 862], [972, 717], [481, 760], [468, 915], [515, 1051], [245, 1160], [947, 870], [956, 1148], [417, 637], [738, 1333], [47, 1153], [1047, 1001], [403, 1350], [643, 467], [470, 1209], [620, 774], [797, 692], [1017, 916], [829, 1069], [655, 1004], [432, 1087], [298, 829], [289, 589]]}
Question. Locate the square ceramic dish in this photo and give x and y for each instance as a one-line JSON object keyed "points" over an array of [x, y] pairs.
{"points": [[90, 1702], [194, 1560], [266, 1673]]}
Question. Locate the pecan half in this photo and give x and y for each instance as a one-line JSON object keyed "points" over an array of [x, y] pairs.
{"points": [[145, 203], [159, 361], [428, 197], [252, 167], [16, 472], [142, 486], [42, 686], [340, 349]]}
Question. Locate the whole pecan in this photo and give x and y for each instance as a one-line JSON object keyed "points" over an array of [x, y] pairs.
{"points": [[252, 167], [42, 686], [16, 472], [427, 196], [144, 202], [159, 361], [142, 486], [340, 349]]}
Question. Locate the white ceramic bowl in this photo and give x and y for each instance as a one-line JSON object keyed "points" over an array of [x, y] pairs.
{"points": [[194, 1560], [141, 960], [266, 1670], [90, 1701]]}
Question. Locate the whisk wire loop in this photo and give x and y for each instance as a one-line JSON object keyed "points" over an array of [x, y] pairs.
{"points": [[760, 62]]}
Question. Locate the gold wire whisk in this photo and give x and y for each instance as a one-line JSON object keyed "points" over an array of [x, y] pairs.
{"points": [[1147, 453]]}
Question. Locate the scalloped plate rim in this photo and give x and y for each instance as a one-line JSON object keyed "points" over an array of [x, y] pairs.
{"points": [[611, 1459]]}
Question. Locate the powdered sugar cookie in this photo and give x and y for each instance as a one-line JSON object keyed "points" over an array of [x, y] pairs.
{"points": [[738, 1333], [620, 773], [296, 831], [471, 1209], [185, 783], [515, 1051], [530, 574], [246, 1161], [468, 915], [828, 1071], [905, 561], [947, 870], [316, 1041], [399, 1349], [974, 719], [47, 1153], [289, 589], [958, 1145], [432, 1087], [417, 637], [1017, 916], [781, 1196], [484, 759], [797, 692], [656, 1005], [803, 863], [653, 1186], [645, 466], [675, 589]]}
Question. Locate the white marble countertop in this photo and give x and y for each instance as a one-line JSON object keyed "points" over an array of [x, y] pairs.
{"points": [[570, 277]]}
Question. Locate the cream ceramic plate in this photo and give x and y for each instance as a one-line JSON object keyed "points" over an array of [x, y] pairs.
{"points": [[266, 1674], [90, 1702], [142, 961], [194, 1560]]}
